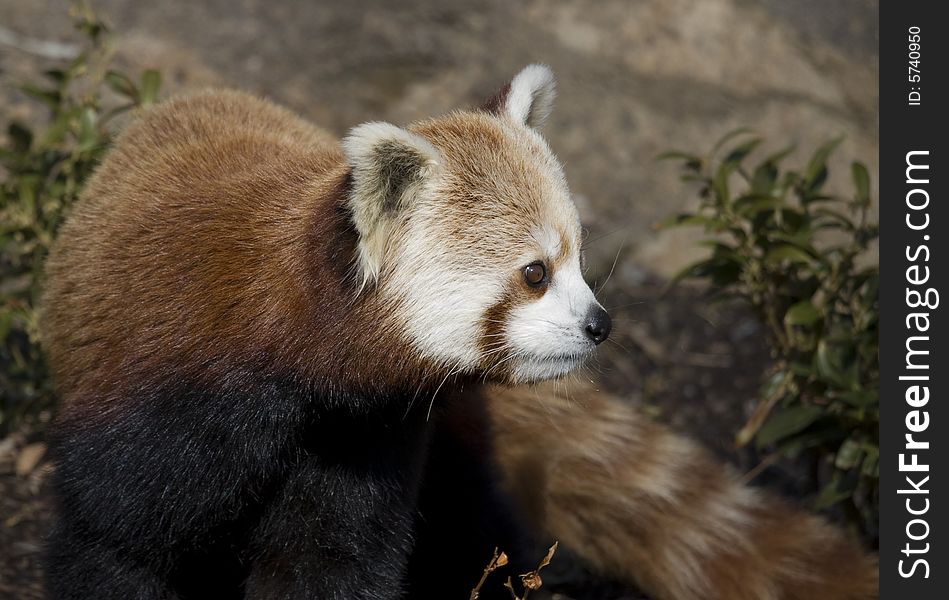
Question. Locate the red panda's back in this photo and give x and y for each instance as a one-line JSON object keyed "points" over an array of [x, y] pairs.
{"points": [[186, 243]]}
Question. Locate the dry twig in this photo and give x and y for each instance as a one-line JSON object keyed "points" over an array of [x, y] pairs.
{"points": [[531, 581], [498, 560]]}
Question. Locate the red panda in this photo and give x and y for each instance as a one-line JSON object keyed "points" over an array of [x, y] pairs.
{"points": [[275, 352]]}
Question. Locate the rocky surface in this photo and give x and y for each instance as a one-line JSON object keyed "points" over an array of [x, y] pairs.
{"points": [[635, 78]]}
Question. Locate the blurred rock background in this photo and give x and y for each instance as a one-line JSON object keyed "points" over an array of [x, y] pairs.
{"points": [[635, 78]]}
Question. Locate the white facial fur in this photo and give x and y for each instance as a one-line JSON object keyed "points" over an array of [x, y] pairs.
{"points": [[448, 295], [449, 245], [547, 335], [443, 295]]}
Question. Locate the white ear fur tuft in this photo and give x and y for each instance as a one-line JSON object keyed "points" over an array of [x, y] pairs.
{"points": [[369, 144], [531, 95], [389, 164]]}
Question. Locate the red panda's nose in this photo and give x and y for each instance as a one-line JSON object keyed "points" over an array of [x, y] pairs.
{"points": [[598, 325]]}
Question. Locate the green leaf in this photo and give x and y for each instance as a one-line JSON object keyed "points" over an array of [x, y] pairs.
{"points": [[690, 162], [800, 239], [790, 179], [58, 129], [774, 384], [686, 219], [836, 216], [813, 187], [729, 137], [789, 253], [720, 185], [88, 131], [780, 155], [815, 174], [51, 98], [837, 490], [818, 161], [849, 454], [728, 166], [861, 181], [861, 398], [785, 220], [739, 153], [787, 422], [800, 369], [110, 114], [122, 84], [830, 360], [822, 434], [772, 391], [752, 204], [764, 178], [151, 81], [26, 192], [802, 313], [871, 464]]}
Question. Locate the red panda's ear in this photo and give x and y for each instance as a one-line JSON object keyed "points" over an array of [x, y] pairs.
{"points": [[528, 98], [389, 166]]}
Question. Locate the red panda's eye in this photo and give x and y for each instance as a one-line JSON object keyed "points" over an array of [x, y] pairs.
{"points": [[535, 274]]}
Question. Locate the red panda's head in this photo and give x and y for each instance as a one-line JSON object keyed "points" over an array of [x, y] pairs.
{"points": [[467, 227]]}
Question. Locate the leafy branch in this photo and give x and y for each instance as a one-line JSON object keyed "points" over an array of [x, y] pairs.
{"points": [[780, 243], [44, 172]]}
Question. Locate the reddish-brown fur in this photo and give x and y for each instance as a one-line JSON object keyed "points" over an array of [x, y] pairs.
{"points": [[641, 502], [243, 246], [232, 260]]}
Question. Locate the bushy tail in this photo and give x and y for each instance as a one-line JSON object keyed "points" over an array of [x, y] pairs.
{"points": [[642, 503]]}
